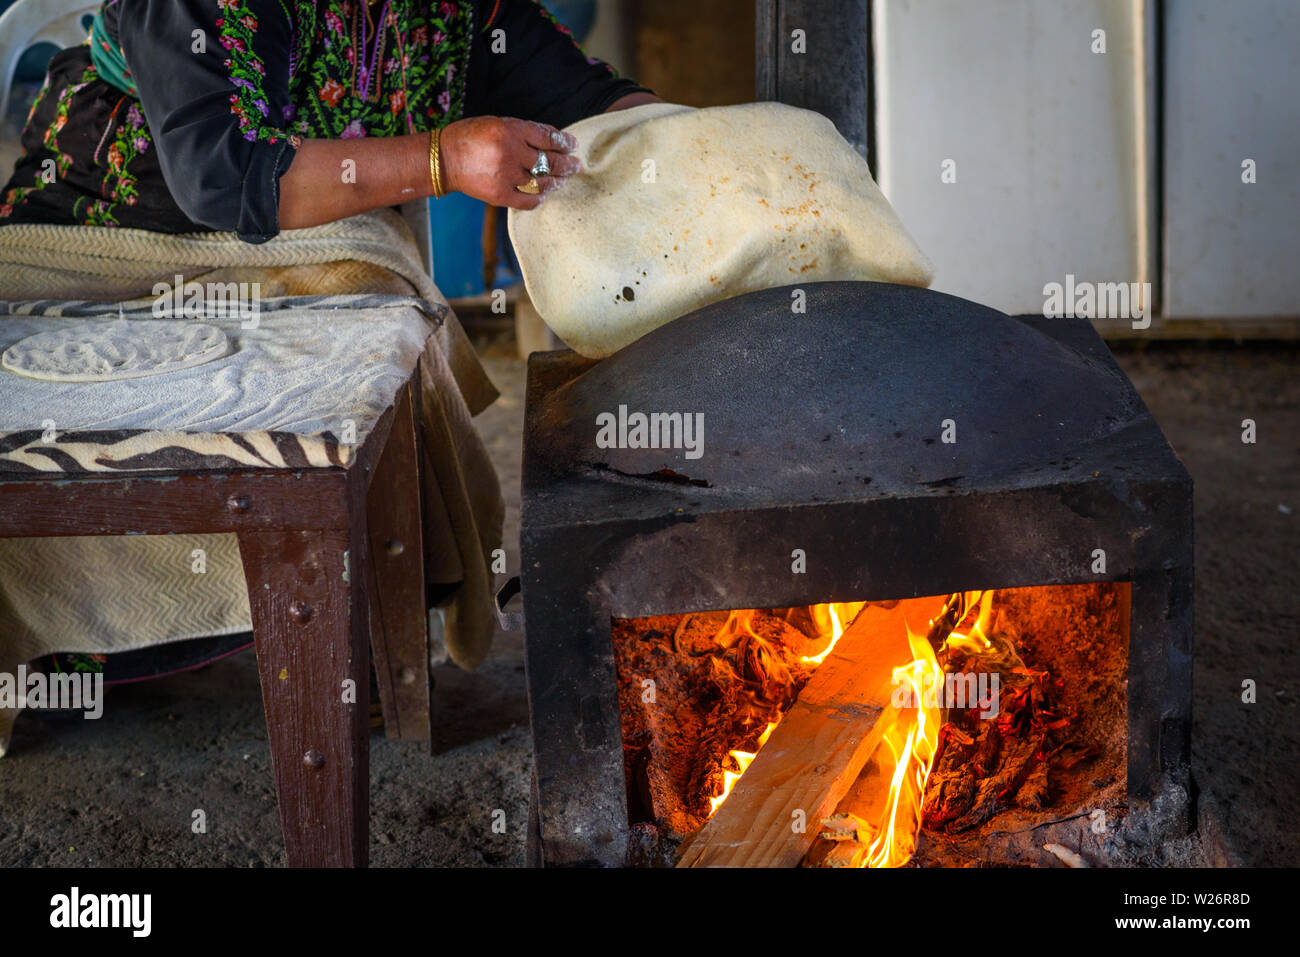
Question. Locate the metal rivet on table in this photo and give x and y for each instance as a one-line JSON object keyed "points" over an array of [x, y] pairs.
{"points": [[300, 611], [395, 547], [314, 759], [237, 503], [406, 676]]}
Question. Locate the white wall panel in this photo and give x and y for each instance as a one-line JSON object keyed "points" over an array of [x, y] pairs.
{"points": [[1051, 141], [1232, 93]]}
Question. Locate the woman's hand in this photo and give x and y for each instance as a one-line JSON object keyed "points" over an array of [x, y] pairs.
{"points": [[488, 156]]}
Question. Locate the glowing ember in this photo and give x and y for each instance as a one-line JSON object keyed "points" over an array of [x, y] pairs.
{"points": [[772, 674], [910, 740]]}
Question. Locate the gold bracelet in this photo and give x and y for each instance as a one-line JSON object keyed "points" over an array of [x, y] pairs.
{"points": [[435, 162]]}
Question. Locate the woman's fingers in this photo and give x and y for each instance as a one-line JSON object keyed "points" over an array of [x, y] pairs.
{"points": [[488, 157], [541, 136], [545, 186], [564, 164], [518, 200], [548, 184], [559, 164]]}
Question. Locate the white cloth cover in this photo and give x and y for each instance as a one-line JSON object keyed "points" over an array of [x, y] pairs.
{"points": [[304, 388], [680, 207]]}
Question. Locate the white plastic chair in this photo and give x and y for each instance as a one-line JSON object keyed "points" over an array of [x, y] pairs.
{"points": [[29, 22]]}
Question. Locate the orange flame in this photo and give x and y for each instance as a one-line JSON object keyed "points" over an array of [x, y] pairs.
{"points": [[829, 619], [912, 740], [743, 760]]}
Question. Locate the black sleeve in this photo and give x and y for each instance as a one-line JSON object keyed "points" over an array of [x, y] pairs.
{"points": [[216, 116], [542, 75]]}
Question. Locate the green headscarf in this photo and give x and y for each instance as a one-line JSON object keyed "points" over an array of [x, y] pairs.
{"points": [[107, 57]]}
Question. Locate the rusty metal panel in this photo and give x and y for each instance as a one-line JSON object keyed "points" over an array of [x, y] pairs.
{"points": [[813, 54]]}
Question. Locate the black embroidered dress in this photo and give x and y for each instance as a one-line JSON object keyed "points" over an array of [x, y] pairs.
{"points": [[187, 113]]}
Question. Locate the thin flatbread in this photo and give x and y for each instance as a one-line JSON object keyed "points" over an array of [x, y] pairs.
{"points": [[119, 349], [677, 208]]}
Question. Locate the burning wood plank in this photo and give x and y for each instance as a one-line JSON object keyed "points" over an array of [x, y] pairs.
{"points": [[845, 854], [846, 827], [813, 757]]}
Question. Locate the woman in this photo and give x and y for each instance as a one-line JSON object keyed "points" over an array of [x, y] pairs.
{"points": [[243, 115]]}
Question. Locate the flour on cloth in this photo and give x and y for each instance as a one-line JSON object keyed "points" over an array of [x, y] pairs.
{"points": [[103, 351], [680, 207], [302, 389]]}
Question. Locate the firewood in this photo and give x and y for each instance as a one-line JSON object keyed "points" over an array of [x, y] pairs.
{"points": [[1067, 856], [817, 856], [816, 752], [949, 617], [845, 854], [846, 827]]}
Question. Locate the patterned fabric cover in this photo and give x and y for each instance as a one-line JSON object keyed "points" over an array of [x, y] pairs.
{"points": [[291, 394]]}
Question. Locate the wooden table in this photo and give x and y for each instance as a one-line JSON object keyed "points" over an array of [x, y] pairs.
{"points": [[334, 563]]}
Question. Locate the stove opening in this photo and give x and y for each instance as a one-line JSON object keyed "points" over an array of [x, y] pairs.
{"points": [[873, 734]]}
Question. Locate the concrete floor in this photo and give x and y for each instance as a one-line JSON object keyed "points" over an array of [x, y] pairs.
{"points": [[121, 790]]}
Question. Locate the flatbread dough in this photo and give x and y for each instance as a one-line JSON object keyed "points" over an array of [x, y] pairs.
{"points": [[680, 207], [119, 349]]}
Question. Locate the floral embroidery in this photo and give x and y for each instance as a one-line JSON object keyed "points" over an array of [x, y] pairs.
{"points": [[550, 18], [372, 69], [356, 68], [238, 26], [16, 195], [379, 69], [130, 140]]}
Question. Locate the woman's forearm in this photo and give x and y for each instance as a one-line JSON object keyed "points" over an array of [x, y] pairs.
{"points": [[332, 179], [485, 157]]}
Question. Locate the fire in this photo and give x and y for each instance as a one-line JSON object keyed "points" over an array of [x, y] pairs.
{"points": [[831, 618], [743, 760], [750, 658], [912, 740]]}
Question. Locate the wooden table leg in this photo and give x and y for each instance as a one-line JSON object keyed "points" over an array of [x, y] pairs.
{"points": [[311, 631], [399, 622]]}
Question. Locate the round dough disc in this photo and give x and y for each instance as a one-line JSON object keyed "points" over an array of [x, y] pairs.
{"points": [[121, 349]]}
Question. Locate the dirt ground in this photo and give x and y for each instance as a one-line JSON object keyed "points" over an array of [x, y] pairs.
{"points": [[122, 790]]}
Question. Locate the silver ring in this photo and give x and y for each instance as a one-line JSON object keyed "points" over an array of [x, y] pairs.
{"points": [[542, 167]]}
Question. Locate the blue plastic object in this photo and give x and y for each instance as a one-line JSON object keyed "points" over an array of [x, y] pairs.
{"points": [[456, 222]]}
